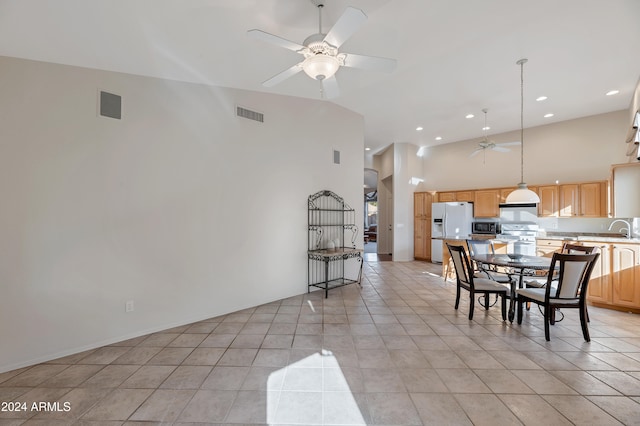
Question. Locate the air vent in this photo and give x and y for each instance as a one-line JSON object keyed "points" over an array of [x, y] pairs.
{"points": [[251, 115], [110, 105]]}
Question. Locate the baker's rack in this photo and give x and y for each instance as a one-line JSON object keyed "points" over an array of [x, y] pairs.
{"points": [[332, 233]]}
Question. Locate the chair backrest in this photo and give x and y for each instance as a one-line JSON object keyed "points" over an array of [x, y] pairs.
{"points": [[480, 247], [574, 271], [464, 272], [569, 248]]}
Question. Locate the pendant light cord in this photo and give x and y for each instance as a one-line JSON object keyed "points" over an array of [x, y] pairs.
{"points": [[521, 62]]}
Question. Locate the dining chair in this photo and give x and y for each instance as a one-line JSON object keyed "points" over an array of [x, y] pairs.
{"points": [[480, 247], [466, 280], [569, 291]]}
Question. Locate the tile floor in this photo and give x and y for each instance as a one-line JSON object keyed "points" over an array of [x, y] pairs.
{"points": [[392, 353]]}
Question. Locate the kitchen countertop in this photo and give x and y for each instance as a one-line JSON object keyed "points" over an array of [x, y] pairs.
{"points": [[587, 236]]}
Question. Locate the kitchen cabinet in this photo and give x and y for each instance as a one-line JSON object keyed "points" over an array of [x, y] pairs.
{"points": [[467, 196], [583, 200], [422, 225], [625, 264], [549, 199], [624, 190], [446, 197], [504, 193], [486, 203], [600, 289], [546, 248]]}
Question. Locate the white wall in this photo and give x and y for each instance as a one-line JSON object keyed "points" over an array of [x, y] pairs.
{"points": [[570, 151], [180, 206]]}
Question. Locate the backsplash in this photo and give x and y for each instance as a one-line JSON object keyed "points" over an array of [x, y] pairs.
{"points": [[588, 225]]}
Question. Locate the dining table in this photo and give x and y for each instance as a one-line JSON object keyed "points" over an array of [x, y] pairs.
{"points": [[517, 267]]}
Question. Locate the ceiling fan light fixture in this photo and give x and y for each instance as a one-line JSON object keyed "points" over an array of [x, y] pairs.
{"points": [[320, 67]]}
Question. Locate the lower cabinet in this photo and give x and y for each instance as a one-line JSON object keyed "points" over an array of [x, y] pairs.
{"points": [[422, 239], [600, 289], [626, 274]]}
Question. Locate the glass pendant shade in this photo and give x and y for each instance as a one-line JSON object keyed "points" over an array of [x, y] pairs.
{"points": [[522, 195], [320, 67]]}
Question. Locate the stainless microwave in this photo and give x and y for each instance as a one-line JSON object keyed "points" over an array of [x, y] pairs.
{"points": [[490, 228]]}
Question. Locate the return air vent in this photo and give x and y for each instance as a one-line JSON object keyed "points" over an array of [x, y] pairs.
{"points": [[251, 115]]}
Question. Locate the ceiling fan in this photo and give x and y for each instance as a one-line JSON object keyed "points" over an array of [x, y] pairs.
{"points": [[322, 59], [487, 143]]}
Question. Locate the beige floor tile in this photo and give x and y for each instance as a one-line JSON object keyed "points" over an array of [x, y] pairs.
{"points": [[542, 382], [619, 361], [479, 359], [218, 341], [148, 377], [300, 408], [238, 357], [27, 400], [486, 410], [585, 361], [187, 340], [272, 358], [443, 359], [208, 406], [340, 408], [514, 360], [164, 405], [283, 328], [620, 381], [253, 407], [111, 376], [624, 409], [439, 409], [139, 355], [118, 405], [264, 379], [247, 341], [346, 379], [170, 356], [202, 327], [303, 379], [204, 356], [79, 400], [392, 409], [580, 410], [408, 359], [533, 410], [379, 358], [584, 383], [225, 378], [228, 328], [277, 341], [159, 339], [382, 380], [35, 375], [187, 377], [422, 380], [459, 380], [72, 376], [502, 381]]}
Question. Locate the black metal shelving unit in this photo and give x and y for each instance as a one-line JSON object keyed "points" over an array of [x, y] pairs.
{"points": [[330, 220]]}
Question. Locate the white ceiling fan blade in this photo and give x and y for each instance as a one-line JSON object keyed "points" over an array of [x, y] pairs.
{"points": [[508, 143], [475, 152], [370, 62], [273, 39], [330, 88], [350, 21], [500, 149], [283, 75]]}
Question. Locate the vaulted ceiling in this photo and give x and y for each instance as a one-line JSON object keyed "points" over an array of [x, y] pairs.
{"points": [[454, 57]]}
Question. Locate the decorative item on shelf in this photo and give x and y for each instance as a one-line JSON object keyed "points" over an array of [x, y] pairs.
{"points": [[522, 194], [336, 243], [331, 245]]}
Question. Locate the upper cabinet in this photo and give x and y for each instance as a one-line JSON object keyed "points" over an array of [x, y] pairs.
{"points": [[455, 196], [583, 200], [549, 200], [422, 205], [624, 189], [486, 203]]}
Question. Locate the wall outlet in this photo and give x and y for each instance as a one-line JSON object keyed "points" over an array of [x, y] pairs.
{"points": [[128, 306]]}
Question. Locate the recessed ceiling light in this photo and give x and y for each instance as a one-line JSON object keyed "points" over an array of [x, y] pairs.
{"points": [[612, 92], [438, 138], [548, 115], [367, 149], [541, 98], [486, 128], [469, 116], [419, 128]]}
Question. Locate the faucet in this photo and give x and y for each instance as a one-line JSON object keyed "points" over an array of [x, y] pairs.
{"points": [[622, 230]]}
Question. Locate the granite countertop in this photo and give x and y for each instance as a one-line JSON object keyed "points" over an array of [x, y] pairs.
{"points": [[587, 236]]}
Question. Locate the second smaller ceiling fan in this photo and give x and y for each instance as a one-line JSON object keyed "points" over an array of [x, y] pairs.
{"points": [[486, 143]]}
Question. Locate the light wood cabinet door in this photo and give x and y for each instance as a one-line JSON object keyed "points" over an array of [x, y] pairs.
{"points": [[485, 203], [546, 248], [625, 262], [504, 193], [569, 200], [548, 206], [600, 289], [593, 199], [422, 205], [444, 197], [422, 239], [465, 196]]}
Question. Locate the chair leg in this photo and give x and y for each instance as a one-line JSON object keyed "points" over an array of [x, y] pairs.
{"points": [[546, 322], [487, 299], [586, 311], [584, 318], [519, 310], [504, 307], [471, 304], [457, 296], [552, 316]]}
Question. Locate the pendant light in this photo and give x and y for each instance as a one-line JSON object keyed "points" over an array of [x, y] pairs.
{"points": [[522, 194]]}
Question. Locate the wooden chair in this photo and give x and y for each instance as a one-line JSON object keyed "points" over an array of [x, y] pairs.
{"points": [[570, 291], [479, 247], [466, 280]]}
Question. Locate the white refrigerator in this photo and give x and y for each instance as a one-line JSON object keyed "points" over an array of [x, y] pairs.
{"points": [[449, 220]]}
